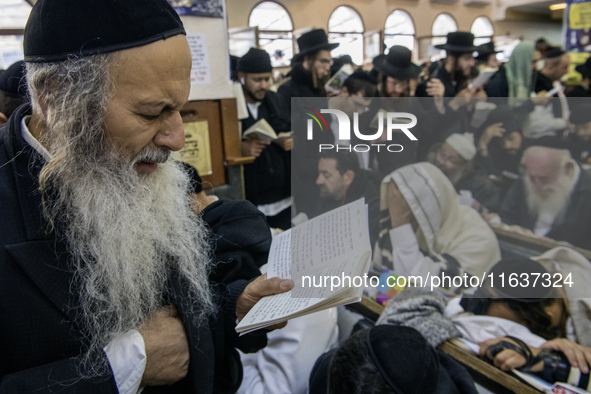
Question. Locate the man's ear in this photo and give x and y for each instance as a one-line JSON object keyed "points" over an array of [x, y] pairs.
{"points": [[348, 177], [241, 76]]}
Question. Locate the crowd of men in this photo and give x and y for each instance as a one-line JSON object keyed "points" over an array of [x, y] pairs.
{"points": [[113, 280]]}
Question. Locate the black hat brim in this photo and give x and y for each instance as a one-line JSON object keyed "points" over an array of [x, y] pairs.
{"points": [[482, 55], [456, 48], [400, 73], [320, 47]]}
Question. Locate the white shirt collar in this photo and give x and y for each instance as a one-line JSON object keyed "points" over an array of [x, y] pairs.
{"points": [[32, 140]]}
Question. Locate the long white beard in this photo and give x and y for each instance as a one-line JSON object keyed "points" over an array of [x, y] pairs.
{"points": [[126, 233], [552, 200]]}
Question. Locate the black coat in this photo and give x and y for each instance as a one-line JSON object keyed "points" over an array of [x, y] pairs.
{"points": [[268, 178], [304, 152], [39, 340], [576, 226]]}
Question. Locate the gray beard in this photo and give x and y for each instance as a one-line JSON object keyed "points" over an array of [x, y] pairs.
{"points": [[553, 200], [126, 233]]}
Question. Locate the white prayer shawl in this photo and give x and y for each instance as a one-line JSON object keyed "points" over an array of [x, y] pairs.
{"points": [[445, 226]]}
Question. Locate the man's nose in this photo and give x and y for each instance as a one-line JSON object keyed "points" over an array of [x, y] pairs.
{"points": [[172, 133]]}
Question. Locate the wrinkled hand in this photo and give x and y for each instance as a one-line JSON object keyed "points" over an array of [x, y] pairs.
{"points": [[578, 356], [253, 147], [435, 88], [257, 289], [167, 349], [285, 141], [398, 208], [505, 360]]}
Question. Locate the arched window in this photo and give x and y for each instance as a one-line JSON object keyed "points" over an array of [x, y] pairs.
{"points": [[345, 27], [483, 30], [13, 17], [400, 30], [275, 31], [443, 24]]}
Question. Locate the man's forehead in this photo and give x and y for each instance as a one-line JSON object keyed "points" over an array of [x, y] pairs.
{"points": [[259, 75], [323, 54], [327, 163]]}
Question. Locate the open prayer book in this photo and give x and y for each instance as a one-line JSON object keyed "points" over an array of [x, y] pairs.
{"points": [[318, 255], [483, 77], [261, 130], [335, 83]]}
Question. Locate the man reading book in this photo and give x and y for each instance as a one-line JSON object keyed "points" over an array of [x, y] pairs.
{"points": [[267, 181]]}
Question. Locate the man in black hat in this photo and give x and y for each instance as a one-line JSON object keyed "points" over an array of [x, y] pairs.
{"points": [[310, 71], [456, 68], [311, 67], [582, 90], [552, 198], [550, 117], [487, 56], [13, 90], [267, 181], [556, 62], [104, 284]]}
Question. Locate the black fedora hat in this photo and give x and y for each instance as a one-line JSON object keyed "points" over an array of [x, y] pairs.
{"points": [[458, 42], [585, 68], [485, 50], [312, 41], [398, 64]]}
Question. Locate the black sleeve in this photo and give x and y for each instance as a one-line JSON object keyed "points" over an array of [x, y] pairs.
{"points": [[57, 377]]}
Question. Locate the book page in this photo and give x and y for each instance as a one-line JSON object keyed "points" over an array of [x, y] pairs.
{"points": [[328, 238], [262, 130], [326, 248], [317, 243]]}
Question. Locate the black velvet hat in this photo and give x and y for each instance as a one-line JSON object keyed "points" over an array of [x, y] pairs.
{"points": [[12, 82], [312, 41], [458, 42], [255, 61], [398, 64], [406, 360], [554, 53], [486, 50], [549, 141], [60, 29], [585, 68]]}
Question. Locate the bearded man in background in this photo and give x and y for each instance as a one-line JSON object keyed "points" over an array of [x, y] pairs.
{"points": [[552, 197]]}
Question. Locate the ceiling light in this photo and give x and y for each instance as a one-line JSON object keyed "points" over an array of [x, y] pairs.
{"points": [[559, 6]]}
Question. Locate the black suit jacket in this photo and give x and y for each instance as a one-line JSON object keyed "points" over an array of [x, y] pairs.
{"points": [[39, 339]]}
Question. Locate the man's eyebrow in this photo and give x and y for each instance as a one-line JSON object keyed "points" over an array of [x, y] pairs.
{"points": [[159, 104]]}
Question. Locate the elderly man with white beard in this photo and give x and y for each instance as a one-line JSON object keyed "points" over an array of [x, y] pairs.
{"points": [[553, 197], [104, 268]]}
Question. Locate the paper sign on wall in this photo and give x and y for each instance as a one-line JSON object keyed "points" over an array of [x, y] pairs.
{"points": [[200, 74], [196, 151]]}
